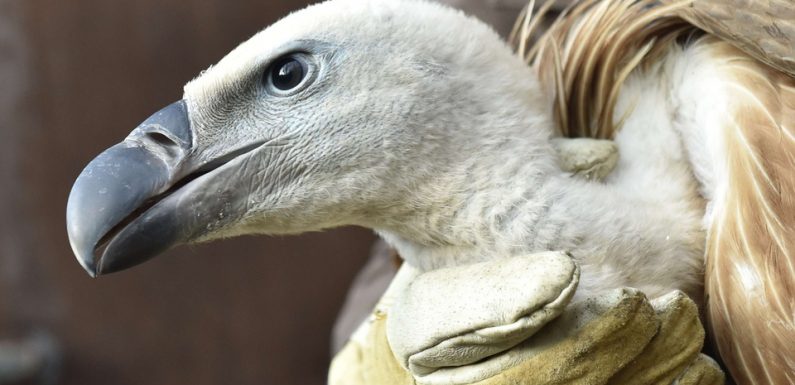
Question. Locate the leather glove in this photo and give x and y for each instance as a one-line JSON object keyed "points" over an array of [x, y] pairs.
{"points": [[514, 321]]}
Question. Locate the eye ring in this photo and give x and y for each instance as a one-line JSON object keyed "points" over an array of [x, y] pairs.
{"points": [[288, 74]]}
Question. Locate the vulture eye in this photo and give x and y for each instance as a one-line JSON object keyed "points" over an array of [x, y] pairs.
{"points": [[287, 73]]}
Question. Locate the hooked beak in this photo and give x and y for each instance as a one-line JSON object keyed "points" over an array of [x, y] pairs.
{"points": [[146, 194]]}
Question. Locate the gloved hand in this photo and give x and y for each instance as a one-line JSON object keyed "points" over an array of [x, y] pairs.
{"points": [[509, 321]]}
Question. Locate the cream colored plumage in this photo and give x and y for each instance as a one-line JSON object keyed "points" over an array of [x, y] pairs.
{"points": [[750, 256]]}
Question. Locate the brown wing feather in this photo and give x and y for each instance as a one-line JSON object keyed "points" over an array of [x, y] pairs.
{"points": [[763, 29], [585, 55], [750, 274]]}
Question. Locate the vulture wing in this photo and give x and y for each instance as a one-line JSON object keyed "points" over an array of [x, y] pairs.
{"points": [[583, 59], [750, 272], [763, 29]]}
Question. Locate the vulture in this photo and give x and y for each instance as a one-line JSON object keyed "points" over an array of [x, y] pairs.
{"points": [[419, 122]]}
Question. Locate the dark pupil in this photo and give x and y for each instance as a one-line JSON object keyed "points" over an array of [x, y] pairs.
{"points": [[287, 74]]}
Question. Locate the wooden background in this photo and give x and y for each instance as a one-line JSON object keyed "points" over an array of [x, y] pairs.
{"points": [[75, 77]]}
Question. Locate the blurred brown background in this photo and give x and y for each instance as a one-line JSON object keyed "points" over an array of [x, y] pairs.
{"points": [[75, 77]]}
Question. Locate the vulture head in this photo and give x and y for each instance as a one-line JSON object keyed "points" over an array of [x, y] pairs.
{"points": [[349, 112]]}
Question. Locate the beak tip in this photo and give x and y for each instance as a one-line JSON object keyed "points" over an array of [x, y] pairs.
{"points": [[114, 185], [87, 263], [91, 269], [82, 249]]}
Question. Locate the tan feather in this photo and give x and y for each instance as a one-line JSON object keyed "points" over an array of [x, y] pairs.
{"points": [[763, 29], [750, 275], [598, 44], [582, 61]]}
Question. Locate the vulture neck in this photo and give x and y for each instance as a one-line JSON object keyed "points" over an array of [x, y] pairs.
{"points": [[501, 210], [505, 195], [492, 198], [507, 206]]}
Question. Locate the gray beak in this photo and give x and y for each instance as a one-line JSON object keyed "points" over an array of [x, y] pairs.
{"points": [[152, 191], [122, 182]]}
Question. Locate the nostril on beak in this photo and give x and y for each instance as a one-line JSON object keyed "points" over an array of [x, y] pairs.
{"points": [[164, 144], [166, 134], [162, 139]]}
